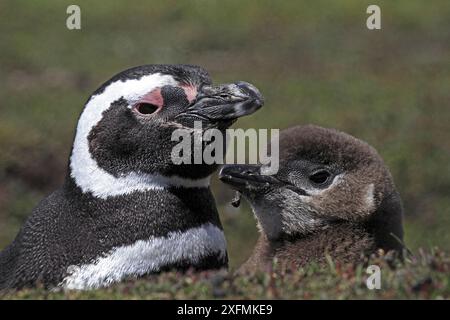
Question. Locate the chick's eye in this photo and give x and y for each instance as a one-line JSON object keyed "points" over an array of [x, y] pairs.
{"points": [[320, 177], [146, 108]]}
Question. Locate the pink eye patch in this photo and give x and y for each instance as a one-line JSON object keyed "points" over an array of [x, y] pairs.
{"points": [[190, 91], [153, 97]]}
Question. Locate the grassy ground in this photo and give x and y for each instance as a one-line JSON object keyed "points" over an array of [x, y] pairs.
{"points": [[315, 62], [424, 276]]}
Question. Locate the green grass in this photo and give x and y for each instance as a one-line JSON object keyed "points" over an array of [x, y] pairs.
{"points": [[424, 276], [315, 62]]}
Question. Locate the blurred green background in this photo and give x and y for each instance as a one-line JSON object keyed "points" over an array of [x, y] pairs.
{"points": [[314, 61]]}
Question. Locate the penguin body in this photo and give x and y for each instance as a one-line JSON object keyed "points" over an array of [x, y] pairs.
{"points": [[332, 195], [125, 209]]}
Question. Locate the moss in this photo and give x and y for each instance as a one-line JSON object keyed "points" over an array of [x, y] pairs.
{"points": [[425, 275]]}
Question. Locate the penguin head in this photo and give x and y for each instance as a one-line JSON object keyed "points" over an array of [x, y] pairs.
{"points": [[324, 176], [124, 134]]}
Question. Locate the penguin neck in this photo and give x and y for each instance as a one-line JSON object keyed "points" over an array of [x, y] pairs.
{"points": [[91, 178], [183, 207], [347, 241]]}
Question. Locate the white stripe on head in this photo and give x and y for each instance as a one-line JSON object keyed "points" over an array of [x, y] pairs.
{"points": [[146, 256], [85, 170]]}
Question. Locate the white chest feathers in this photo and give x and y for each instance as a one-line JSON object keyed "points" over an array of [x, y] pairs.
{"points": [[146, 256]]}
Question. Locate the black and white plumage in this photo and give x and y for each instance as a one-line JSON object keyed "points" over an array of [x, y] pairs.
{"points": [[125, 210]]}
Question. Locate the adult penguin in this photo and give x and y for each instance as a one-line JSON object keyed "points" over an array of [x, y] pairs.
{"points": [[125, 209]]}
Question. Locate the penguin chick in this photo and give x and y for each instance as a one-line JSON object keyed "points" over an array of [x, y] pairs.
{"points": [[125, 209], [332, 195]]}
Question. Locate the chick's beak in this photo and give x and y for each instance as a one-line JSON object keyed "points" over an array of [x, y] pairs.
{"points": [[245, 176]]}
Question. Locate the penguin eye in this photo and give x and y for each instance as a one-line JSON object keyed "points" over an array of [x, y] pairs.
{"points": [[146, 108], [320, 177]]}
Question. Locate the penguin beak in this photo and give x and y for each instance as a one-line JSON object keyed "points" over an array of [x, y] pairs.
{"points": [[226, 102], [242, 177], [247, 178]]}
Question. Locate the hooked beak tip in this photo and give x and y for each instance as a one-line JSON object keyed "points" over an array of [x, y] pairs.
{"points": [[228, 102], [251, 91]]}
